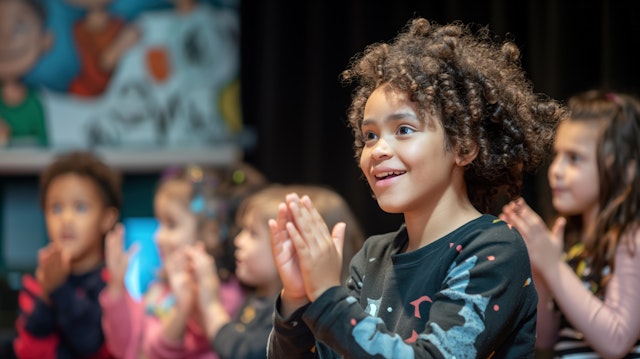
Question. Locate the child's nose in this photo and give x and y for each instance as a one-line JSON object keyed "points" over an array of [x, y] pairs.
{"points": [[381, 149], [67, 215], [556, 168], [238, 239]]}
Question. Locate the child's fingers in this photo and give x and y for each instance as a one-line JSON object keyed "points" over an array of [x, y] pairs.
{"points": [[302, 219], [311, 226], [299, 243], [118, 230], [318, 226], [65, 259], [529, 217], [114, 239], [278, 235], [283, 215], [278, 226], [307, 230], [112, 244], [133, 249], [202, 263], [273, 227], [338, 237], [44, 253]]}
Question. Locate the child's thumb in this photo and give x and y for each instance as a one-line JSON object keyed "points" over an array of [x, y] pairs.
{"points": [[338, 236]]}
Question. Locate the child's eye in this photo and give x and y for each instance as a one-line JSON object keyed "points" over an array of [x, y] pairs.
{"points": [[170, 224], [56, 208], [405, 130], [369, 136], [166, 224], [81, 207], [573, 157]]}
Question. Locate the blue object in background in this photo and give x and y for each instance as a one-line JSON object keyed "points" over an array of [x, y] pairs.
{"points": [[144, 263]]}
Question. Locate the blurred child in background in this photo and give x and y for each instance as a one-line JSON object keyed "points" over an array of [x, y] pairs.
{"points": [[240, 181], [587, 264], [245, 336], [190, 205], [60, 314]]}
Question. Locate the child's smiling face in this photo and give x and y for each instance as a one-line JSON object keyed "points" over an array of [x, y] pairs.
{"points": [[573, 173], [404, 159]]}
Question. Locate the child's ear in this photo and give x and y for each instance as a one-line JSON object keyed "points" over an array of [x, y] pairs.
{"points": [[463, 160], [109, 219]]}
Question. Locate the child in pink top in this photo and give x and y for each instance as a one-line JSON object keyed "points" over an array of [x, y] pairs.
{"points": [[587, 264], [190, 205]]}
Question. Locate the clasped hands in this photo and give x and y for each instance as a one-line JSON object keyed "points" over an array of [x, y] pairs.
{"points": [[308, 257]]}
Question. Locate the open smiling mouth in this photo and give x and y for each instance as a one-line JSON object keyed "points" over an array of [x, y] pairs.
{"points": [[385, 175]]}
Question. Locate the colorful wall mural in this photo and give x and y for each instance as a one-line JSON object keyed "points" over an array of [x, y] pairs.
{"points": [[121, 73]]}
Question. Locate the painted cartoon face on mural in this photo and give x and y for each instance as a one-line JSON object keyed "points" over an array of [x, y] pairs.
{"points": [[23, 38]]}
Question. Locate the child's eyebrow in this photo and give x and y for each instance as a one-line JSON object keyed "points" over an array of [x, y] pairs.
{"points": [[391, 118]]}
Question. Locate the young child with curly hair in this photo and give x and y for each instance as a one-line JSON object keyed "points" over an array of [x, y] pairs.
{"points": [[60, 315], [444, 120], [587, 264]]}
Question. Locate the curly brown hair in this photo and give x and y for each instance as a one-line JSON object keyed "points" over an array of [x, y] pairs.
{"points": [[478, 88], [86, 164]]}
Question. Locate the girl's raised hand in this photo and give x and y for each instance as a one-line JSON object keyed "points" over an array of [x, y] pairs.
{"points": [[181, 281], [211, 313], [319, 252], [545, 246], [117, 259], [203, 268]]}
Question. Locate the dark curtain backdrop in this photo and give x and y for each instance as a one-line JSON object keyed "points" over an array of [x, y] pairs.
{"points": [[294, 51]]}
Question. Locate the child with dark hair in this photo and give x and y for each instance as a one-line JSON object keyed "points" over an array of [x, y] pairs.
{"points": [[444, 120], [192, 207], [60, 316], [586, 265]]}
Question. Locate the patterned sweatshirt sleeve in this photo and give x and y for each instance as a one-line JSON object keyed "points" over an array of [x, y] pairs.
{"points": [[35, 324], [484, 296], [291, 337], [79, 318]]}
